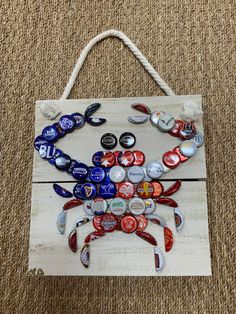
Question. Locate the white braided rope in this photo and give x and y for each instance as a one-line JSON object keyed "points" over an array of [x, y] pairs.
{"points": [[138, 54]]}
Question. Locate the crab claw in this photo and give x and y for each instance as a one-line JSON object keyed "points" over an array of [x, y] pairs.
{"points": [[91, 110], [172, 189], [142, 108], [96, 121], [147, 237], [85, 255], [138, 119]]}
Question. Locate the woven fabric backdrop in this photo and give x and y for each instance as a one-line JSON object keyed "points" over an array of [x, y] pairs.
{"points": [[192, 45]]}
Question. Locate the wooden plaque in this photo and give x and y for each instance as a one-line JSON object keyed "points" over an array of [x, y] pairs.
{"points": [[118, 253]]}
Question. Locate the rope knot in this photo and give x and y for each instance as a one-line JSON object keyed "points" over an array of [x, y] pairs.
{"points": [[191, 111], [49, 110]]}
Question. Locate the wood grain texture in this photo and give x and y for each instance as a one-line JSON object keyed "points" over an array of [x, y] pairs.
{"points": [[118, 253], [82, 143]]}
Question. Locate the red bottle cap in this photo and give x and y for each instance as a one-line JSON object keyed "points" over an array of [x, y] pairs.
{"points": [[97, 223], [158, 189], [142, 222], [128, 224], [109, 222], [176, 128], [145, 189], [139, 158], [182, 157], [171, 159], [126, 190], [126, 158], [108, 160]]}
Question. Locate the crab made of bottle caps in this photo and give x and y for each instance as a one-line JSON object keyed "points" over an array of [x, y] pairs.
{"points": [[113, 202]]}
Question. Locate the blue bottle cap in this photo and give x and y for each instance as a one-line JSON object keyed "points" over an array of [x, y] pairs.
{"points": [[80, 171], [79, 119], [97, 174], [62, 161], [52, 160], [88, 191], [67, 123], [107, 190], [50, 134], [47, 150], [77, 190], [39, 140], [61, 132], [62, 191], [96, 159], [72, 165]]}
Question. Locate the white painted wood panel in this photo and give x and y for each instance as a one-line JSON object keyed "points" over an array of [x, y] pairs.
{"points": [[113, 254], [82, 143], [118, 253]]}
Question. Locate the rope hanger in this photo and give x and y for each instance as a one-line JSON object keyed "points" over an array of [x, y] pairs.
{"points": [[51, 111], [136, 52]]}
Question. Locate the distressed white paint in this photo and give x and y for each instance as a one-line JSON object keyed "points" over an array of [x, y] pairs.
{"points": [[113, 254]]}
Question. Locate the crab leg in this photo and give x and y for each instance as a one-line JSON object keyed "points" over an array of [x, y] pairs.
{"points": [[179, 218], [94, 236], [83, 221], [85, 255], [156, 219], [166, 201], [85, 251], [72, 239], [61, 218], [61, 222], [168, 238], [72, 203], [168, 235], [147, 237], [172, 189], [159, 259]]}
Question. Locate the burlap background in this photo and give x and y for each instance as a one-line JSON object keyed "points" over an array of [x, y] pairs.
{"points": [[192, 45]]}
